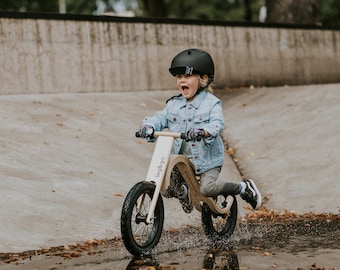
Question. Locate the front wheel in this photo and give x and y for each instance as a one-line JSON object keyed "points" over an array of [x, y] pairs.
{"points": [[219, 227], [140, 237]]}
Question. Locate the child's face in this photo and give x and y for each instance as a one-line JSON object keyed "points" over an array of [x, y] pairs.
{"points": [[188, 85]]}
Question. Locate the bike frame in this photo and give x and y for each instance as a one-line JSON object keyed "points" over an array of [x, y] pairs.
{"points": [[158, 165], [161, 166]]}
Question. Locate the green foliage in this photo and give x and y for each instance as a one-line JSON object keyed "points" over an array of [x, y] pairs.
{"points": [[30, 6], [330, 13], [221, 10], [81, 7]]}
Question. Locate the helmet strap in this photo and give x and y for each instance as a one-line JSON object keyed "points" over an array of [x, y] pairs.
{"points": [[198, 91], [202, 87], [208, 82]]}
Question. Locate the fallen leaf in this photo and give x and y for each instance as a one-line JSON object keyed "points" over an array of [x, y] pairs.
{"points": [[76, 254], [66, 256], [231, 151]]}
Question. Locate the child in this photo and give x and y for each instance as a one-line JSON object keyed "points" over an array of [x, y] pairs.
{"points": [[198, 113]]}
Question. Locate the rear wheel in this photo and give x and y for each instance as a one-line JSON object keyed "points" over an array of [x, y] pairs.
{"points": [[140, 237], [219, 227]]}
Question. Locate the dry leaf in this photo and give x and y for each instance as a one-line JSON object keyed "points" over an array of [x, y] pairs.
{"points": [[76, 254], [231, 151], [66, 256]]}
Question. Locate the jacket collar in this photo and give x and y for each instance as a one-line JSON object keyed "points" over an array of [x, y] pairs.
{"points": [[200, 96]]}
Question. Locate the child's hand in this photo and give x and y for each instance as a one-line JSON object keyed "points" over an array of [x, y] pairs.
{"points": [[195, 134], [146, 131]]}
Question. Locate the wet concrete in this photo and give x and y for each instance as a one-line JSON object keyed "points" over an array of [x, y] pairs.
{"points": [[302, 244]]}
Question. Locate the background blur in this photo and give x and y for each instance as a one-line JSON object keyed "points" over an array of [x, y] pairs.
{"points": [[321, 12]]}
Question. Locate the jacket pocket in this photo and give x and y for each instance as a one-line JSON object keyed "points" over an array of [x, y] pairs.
{"points": [[202, 118], [173, 119]]}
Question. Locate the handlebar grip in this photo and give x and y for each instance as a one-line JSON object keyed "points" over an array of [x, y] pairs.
{"points": [[182, 135]]}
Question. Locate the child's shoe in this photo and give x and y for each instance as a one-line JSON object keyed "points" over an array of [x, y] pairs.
{"points": [[184, 199], [251, 194]]}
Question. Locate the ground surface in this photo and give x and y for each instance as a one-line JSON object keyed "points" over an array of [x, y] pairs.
{"points": [[301, 243], [68, 160]]}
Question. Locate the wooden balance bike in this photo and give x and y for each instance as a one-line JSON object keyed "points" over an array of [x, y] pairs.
{"points": [[142, 215]]}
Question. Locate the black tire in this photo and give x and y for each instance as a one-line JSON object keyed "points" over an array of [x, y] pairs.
{"points": [[138, 236], [222, 259], [219, 227], [143, 262]]}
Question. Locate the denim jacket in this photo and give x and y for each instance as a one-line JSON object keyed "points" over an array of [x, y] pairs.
{"points": [[205, 111]]}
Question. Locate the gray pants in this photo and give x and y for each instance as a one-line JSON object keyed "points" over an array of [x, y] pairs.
{"points": [[211, 185]]}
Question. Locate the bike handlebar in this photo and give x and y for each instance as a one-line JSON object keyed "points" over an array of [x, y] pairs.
{"points": [[176, 135]]}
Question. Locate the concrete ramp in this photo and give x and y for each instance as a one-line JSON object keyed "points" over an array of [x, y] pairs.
{"points": [[68, 160]]}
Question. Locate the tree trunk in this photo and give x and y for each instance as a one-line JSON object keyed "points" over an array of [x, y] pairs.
{"points": [[247, 9], [154, 8], [293, 11]]}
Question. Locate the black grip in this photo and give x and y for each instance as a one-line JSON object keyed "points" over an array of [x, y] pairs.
{"points": [[183, 136], [137, 134]]}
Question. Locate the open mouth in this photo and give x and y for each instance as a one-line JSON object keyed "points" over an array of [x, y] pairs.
{"points": [[185, 87]]}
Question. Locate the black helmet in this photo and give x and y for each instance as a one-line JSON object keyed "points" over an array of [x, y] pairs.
{"points": [[193, 61]]}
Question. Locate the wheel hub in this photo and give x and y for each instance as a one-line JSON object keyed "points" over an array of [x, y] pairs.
{"points": [[140, 218]]}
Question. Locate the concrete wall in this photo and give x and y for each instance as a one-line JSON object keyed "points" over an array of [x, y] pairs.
{"points": [[41, 55]]}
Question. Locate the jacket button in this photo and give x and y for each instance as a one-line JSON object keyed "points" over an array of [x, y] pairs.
{"points": [[189, 119]]}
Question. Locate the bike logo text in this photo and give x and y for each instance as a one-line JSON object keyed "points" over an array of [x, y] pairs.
{"points": [[160, 166]]}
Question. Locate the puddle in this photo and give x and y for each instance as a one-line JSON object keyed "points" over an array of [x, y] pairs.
{"points": [[303, 244], [204, 258]]}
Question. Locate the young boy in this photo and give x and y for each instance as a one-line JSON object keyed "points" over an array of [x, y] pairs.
{"points": [[198, 113]]}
